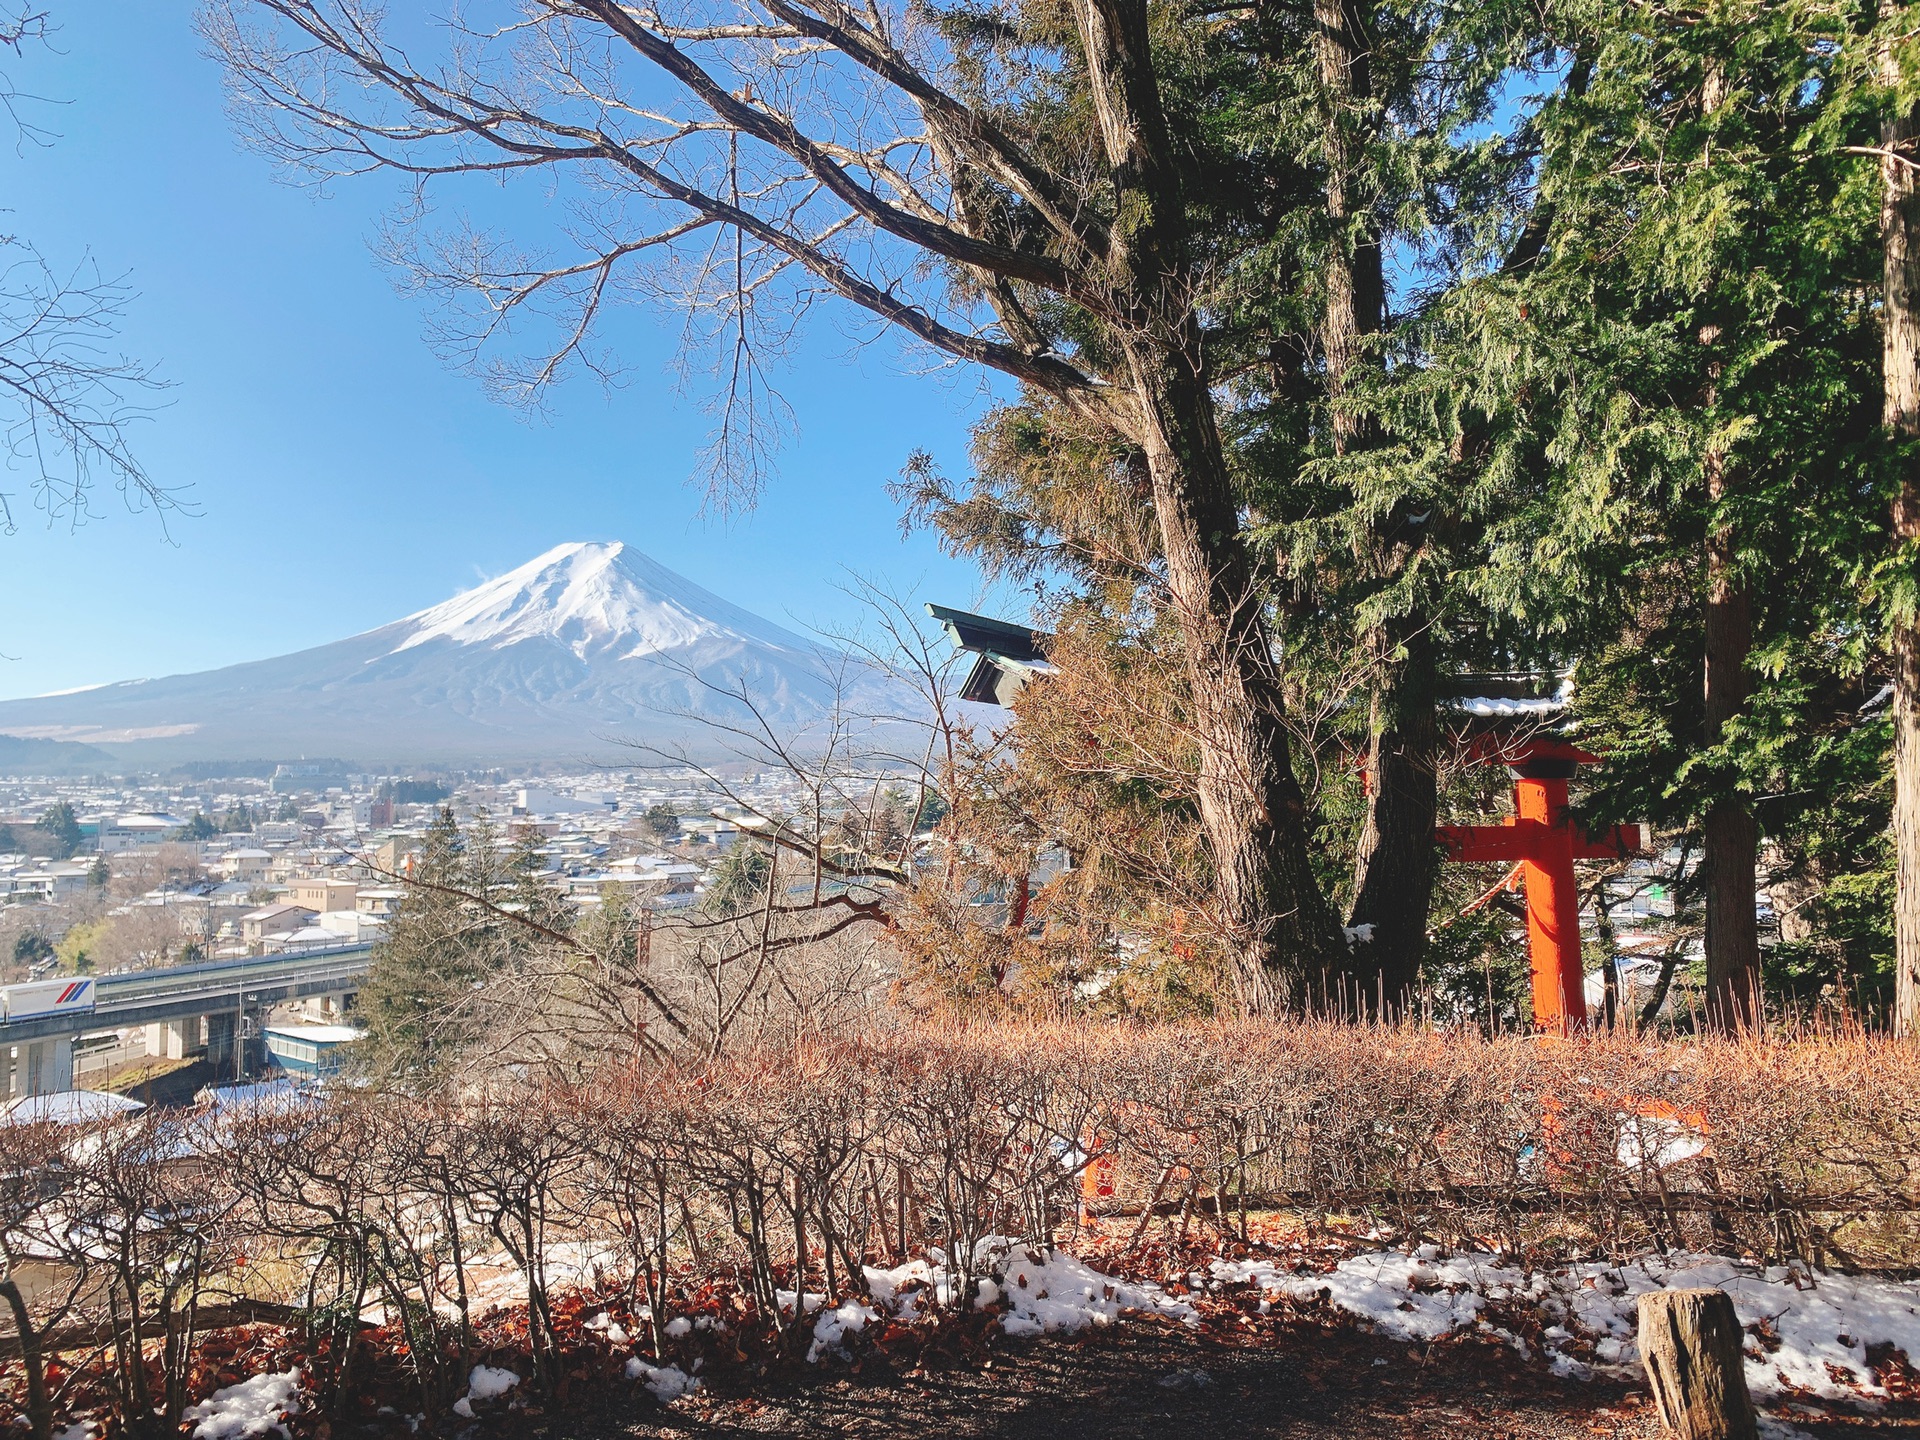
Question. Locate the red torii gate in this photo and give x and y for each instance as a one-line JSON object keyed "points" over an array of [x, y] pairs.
{"points": [[1543, 838]]}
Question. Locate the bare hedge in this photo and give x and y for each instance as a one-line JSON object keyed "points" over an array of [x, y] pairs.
{"points": [[792, 1167]]}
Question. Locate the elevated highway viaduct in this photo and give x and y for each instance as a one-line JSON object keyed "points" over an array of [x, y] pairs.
{"points": [[182, 1007]]}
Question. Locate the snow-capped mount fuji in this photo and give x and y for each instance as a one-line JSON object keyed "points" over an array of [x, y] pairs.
{"points": [[598, 600], [579, 649]]}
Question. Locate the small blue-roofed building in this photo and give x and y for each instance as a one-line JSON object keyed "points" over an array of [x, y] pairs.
{"points": [[303, 1050]]}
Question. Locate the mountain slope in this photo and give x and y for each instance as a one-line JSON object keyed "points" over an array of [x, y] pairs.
{"points": [[576, 651], [50, 757]]}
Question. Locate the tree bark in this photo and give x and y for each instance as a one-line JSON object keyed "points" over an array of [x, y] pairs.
{"points": [[1395, 865], [1355, 278], [1285, 937], [1690, 1344], [32, 1361], [1900, 367], [1730, 838]]}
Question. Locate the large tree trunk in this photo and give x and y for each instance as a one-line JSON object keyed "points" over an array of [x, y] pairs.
{"points": [[1730, 842], [1900, 362], [1395, 866], [1397, 863], [1286, 938], [1355, 278]]}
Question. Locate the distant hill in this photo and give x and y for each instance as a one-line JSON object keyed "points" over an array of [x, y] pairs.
{"points": [[52, 757], [577, 650]]}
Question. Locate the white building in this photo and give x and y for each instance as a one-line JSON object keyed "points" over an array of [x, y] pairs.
{"points": [[136, 832]]}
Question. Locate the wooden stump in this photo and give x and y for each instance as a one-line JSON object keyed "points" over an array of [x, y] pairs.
{"points": [[1690, 1342]]}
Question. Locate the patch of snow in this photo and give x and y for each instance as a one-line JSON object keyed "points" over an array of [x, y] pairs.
{"points": [[253, 1408], [679, 1326], [1501, 707], [900, 1288], [1404, 1297], [1049, 1291], [832, 1328], [615, 1332], [1650, 1140], [1044, 1291], [1823, 1324], [490, 1382], [487, 1382], [667, 1382]]}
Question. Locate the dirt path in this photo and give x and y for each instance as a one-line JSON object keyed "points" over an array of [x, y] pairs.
{"points": [[1142, 1380]]}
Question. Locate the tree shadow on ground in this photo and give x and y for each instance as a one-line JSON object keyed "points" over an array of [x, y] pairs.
{"points": [[1143, 1380]]}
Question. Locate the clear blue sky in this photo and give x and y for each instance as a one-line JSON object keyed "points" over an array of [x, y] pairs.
{"points": [[342, 475]]}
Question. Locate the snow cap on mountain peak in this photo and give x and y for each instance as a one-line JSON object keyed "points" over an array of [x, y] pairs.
{"points": [[596, 598]]}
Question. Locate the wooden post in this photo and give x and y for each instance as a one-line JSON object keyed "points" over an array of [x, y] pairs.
{"points": [[1691, 1342]]}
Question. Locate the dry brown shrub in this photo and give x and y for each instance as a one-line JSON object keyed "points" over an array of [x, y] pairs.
{"points": [[794, 1167]]}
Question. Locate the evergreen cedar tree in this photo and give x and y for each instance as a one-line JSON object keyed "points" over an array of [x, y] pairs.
{"points": [[1361, 346], [59, 828], [440, 944]]}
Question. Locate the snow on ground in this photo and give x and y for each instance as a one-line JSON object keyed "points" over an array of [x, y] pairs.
{"points": [[496, 1278], [1814, 1329], [615, 1332], [248, 1410], [832, 1328], [1404, 1297], [1044, 1292], [667, 1382], [487, 1382], [1049, 1291]]}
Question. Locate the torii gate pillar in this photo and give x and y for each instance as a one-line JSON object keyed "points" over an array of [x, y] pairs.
{"points": [[1546, 842]]}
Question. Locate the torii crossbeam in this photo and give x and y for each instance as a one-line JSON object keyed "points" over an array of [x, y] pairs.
{"points": [[1543, 838]]}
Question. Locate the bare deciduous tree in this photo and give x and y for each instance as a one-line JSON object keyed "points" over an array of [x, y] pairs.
{"points": [[68, 398], [1007, 196], [42, 1282]]}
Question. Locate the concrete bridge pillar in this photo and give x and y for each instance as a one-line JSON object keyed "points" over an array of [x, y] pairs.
{"points": [[329, 1009], [174, 1039], [43, 1067]]}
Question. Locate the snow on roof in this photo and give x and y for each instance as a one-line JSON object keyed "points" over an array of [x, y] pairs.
{"points": [[318, 1034], [268, 911], [1495, 707], [68, 1107], [266, 1094]]}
